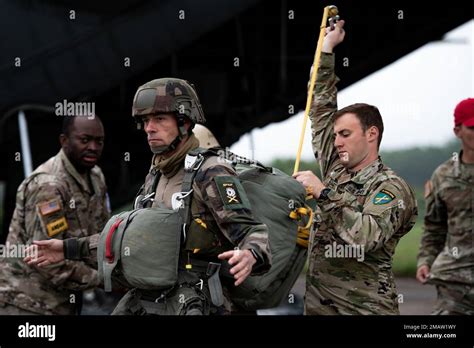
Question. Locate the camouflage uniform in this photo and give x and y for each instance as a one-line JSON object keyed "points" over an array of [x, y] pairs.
{"points": [[221, 216], [447, 244], [371, 209], [227, 224], [223, 224], [219, 224], [55, 201]]}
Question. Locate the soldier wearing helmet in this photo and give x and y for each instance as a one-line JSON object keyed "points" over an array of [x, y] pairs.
{"points": [[223, 228], [206, 138], [168, 97]]}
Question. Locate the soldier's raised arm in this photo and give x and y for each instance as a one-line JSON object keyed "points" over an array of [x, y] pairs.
{"points": [[324, 103]]}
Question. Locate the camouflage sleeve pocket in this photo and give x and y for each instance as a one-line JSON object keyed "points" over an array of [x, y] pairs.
{"points": [[232, 193], [52, 217]]}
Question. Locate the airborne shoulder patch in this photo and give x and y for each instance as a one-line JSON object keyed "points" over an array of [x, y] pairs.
{"points": [[383, 197], [232, 193]]}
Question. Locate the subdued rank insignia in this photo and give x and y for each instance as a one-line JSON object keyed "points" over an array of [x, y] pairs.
{"points": [[49, 207], [383, 197], [232, 193], [57, 226]]}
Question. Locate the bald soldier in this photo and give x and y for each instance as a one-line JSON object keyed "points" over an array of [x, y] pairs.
{"points": [[64, 197], [364, 208], [446, 256]]}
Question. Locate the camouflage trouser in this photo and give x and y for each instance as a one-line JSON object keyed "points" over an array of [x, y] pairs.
{"points": [[8, 309], [454, 299]]}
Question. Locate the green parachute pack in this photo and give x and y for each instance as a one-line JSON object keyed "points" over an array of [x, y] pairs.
{"points": [[137, 255], [278, 201], [145, 259]]}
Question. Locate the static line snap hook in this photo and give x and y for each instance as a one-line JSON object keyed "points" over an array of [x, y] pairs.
{"points": [[185, 194], [147, 197]]}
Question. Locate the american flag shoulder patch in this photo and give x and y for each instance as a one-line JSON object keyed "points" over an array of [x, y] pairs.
{"points": [[49, 207]]}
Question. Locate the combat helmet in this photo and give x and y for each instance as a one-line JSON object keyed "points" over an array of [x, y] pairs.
{"points": [[169, 95]]}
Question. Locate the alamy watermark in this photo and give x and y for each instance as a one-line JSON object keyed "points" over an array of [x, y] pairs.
{"points": [[28, 330], [8, 250], [81, 109], [334, 250], [225, 155]]}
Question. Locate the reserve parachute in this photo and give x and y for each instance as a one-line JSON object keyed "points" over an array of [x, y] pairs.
{"points": [[137, 255]]}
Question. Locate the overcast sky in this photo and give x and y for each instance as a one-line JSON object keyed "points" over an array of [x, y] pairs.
{"points": [[416, 96]]}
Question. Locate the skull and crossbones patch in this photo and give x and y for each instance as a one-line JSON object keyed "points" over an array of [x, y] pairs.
{"points": [[231, 192]]}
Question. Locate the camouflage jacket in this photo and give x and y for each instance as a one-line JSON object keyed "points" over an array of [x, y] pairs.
{"points": [[53, 202], [217, 225], [358, 226], [447, 243]]}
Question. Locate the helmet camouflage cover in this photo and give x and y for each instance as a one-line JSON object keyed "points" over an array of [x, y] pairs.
{"points": [[168, 95]]}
